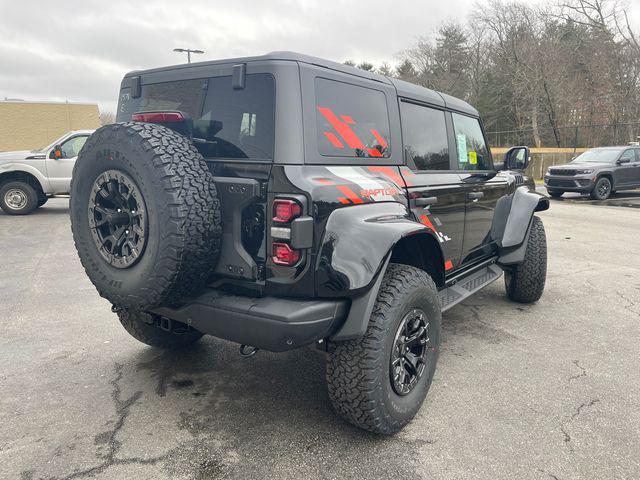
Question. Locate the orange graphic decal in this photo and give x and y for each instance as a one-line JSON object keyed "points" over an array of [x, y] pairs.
{"points": [[342, 128], [349, 194], [448, 265], [375, 192], [348, 119], [389, 172], [379, 138], [333, 139]]}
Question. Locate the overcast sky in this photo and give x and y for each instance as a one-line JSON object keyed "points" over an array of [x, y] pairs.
{"points": [[78, 50]]}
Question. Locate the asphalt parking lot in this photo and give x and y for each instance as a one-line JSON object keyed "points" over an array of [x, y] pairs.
{"points": [[549, 390]]}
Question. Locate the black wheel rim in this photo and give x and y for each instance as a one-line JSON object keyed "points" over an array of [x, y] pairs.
{"points": [[117, 218], [603, 188], [409, 356]]}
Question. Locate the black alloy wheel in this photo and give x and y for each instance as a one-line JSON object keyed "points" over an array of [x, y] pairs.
{"points": [[411, 347], [117, 218], [602, 189]]}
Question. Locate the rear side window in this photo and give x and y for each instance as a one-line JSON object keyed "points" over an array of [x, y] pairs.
{"points": [[473, 153], [227, 123], [424, 134], [352, 121]]}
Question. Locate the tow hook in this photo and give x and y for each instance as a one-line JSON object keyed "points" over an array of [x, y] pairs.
{"points": [[247, 351]]}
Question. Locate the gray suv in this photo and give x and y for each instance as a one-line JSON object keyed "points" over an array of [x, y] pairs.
{"points": [[598, 172]]}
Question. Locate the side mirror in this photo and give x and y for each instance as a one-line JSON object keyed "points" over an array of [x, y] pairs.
{"points": [[517, 158], [56, 153], [623, 160]]}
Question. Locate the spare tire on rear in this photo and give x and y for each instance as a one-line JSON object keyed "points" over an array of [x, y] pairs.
{"points": [[145, 215]]}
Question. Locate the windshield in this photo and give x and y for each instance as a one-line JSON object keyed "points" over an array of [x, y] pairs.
{"points": [[598, 155]]}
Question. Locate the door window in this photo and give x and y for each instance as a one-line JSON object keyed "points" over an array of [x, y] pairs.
{"points": [[352, 121], [72, 147], [628, 155], [424, 134], [473, 153]]}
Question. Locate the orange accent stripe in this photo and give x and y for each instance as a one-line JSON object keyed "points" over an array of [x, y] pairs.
{"points": [[389, 172], [448, 265], [427, 223], [324, 181], [342, 128], [343, 200], [333, 139], [374, 152], [348, 119], [350, 194], [379, 138]]}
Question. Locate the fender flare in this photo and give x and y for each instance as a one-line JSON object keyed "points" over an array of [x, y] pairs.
{"points": [[353, 265], [9, 168], [517, 226], [355, 243], [523, 204]]}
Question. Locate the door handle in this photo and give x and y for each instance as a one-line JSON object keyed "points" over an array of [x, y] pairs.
{"points": [[475, 196], [426, 201]]}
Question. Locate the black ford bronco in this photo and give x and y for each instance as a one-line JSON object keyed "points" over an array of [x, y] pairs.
{"points": [[283, 200]]}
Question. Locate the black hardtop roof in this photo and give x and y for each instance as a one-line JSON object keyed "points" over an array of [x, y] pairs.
{"points": [[404, 89]]}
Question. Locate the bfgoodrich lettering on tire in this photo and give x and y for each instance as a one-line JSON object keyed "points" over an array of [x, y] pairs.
{"points": [[145, 215], [379, 382]]}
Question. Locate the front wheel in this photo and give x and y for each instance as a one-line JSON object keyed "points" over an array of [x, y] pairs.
{"points": [[379, 382], [602, 189], [18, 198], [525, 282]]}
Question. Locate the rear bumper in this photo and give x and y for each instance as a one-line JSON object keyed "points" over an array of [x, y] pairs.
{"points": [[268, 323], [577, 183]]}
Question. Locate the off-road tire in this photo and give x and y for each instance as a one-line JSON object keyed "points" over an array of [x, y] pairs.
{"points": [[596, 194], [525, 282], [152, 330], [182, 207], [26, 189], [555, 193], [358, 377]]}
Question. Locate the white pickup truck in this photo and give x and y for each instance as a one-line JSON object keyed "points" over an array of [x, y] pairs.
{"points": [[29, 178]]}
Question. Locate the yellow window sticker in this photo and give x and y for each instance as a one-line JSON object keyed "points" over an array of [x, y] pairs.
{"points": [[473, 157]]}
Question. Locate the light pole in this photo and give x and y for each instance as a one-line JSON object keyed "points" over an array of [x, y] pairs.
{"points": [[188, 51]]}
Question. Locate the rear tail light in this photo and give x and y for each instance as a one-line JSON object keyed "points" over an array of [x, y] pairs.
{"points": [[157, 117], [283, 254], [285, 210]]}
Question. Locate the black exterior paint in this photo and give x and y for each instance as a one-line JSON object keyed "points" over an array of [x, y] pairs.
{"points": [[353, 237]]}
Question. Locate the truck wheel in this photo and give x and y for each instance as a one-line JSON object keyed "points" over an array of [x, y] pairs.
{"points": [[18, 198], [602, 189], [42, 200], [156, 331], [378, 382], [525, 282], [145, 215], [555, 193]]}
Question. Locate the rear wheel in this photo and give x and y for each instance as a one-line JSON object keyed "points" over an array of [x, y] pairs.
{"points": [[145, 215], [602, 189], [157, 331], [525, 282], [379, 382], [555, 193], [18, 198]]}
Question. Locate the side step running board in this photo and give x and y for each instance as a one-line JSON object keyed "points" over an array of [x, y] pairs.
{"points": [[467, 286]]}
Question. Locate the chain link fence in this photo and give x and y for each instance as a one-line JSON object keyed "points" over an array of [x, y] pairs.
{"points": [[576, 136]]}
